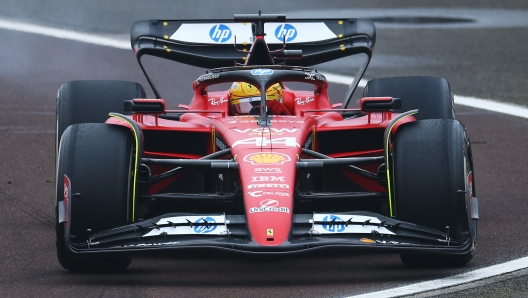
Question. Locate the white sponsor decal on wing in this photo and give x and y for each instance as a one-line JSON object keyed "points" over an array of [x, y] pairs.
{"points": [[345, 217], [152, 244], [297, 32], [350, 229], [347, 224], [210, 225], [211, 33], [224, 33]]}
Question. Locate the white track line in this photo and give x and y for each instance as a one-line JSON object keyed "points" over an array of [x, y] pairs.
{"points": [[492, 105], [64, 34], [486, 104], [464, 278], [479, 103], [341, 79]]}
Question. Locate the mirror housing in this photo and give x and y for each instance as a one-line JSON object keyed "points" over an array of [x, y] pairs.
{"points": [[379, 104], [147, 106]]}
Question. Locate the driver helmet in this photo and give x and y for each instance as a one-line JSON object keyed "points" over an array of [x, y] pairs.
{"points": [[245, 96]]}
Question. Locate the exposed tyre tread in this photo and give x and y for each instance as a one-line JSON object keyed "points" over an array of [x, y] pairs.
{"points": [[431, 95], [90, 101]]}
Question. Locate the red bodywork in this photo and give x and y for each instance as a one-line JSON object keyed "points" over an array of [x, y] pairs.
{"points": [[266, 156]]}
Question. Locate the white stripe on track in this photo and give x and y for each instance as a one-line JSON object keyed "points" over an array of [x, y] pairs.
{"points": [[64, 34], [464, 278], [486, 104], [341, 79], [479, 103], [492, 105]]}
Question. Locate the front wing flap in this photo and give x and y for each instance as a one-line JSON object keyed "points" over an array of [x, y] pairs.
{"points": [[351, 231]]}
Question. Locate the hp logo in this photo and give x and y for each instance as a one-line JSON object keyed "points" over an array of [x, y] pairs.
{"points": [[286, 30], [334, 224], [220, 33], [209, 225], [261, 72]]}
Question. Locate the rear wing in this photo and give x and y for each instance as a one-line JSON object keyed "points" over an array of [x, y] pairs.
{"points": [[226, 42]]}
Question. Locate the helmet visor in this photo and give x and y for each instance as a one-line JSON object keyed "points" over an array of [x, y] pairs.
{"points": [[242, 106]]}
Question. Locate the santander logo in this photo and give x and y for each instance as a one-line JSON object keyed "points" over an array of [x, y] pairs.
{"points": [[269, 203]]}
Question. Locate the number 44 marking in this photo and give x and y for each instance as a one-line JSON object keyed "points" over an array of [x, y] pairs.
{"points": [[262, 141]]}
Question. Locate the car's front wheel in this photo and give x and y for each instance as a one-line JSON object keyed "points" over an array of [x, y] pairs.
{"points": [[433, 185], [98, 161]]}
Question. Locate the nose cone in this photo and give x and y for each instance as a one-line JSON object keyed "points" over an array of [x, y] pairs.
{"points": [[267, 159], [268, 179]]}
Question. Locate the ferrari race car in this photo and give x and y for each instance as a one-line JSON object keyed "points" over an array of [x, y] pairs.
{"points": [[262, 175]]}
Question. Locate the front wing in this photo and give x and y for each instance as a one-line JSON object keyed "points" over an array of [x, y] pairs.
{"points": [[207, 233]]}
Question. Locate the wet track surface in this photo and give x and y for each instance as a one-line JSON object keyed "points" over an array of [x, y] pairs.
{"points": [[32, 67]]}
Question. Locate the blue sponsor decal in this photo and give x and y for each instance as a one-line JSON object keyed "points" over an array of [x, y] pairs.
{"points": [[261, 71], [208, 227], [220, 33], [286, 30], [336, 226]]}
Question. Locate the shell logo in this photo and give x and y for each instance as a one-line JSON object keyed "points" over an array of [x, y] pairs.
{"points": [[267, 158]]}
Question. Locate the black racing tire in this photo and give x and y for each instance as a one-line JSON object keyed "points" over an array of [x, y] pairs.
{"points": [[431, 165], [91, 101], [98, 160], [433, 96]]}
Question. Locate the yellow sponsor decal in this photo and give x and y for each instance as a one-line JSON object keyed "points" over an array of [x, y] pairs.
{"points": [[269, 232], [267, 158], [367, 240]]}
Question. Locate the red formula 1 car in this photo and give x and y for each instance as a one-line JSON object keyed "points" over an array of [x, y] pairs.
{"points": [[274, 172]]}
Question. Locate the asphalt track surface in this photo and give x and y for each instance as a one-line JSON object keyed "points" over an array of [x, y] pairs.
{"points": [[487, 63]]}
